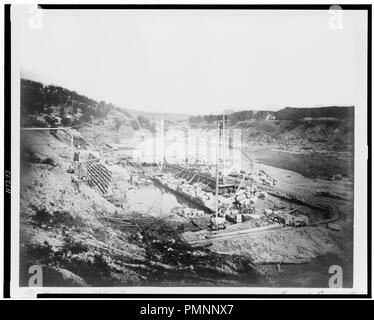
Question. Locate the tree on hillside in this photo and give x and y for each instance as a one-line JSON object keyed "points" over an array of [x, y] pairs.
{"points": [[37, 99]]}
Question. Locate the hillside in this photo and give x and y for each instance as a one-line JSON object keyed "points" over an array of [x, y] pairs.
{"points": [[331, 113], [325, 128], [324, 135], [54, 106]]}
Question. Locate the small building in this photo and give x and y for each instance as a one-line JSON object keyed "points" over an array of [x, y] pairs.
{"points": [[270, 117]]}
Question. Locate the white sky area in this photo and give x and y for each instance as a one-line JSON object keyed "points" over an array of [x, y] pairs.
{"points": [[197, 62]]}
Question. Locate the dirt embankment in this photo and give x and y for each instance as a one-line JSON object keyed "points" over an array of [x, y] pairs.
{"points": [[69, 230], [321, 135]]}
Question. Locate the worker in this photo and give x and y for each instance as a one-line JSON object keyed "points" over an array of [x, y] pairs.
{"points": [[76, 183], [75, 160], [76, 156], [237, 203], [78, 166]]}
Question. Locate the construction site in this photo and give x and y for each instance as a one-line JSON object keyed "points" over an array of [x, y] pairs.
{"points": [[219, 205], [241, 195], [192, 147]]}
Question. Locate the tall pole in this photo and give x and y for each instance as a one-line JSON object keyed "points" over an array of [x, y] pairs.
{"points": [[154, 140], [163, 140], [217, 164], [224, 148], [197, 149], [186, 145]]}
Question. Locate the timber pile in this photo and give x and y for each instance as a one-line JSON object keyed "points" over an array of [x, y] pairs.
{"points": [[98, 175]]}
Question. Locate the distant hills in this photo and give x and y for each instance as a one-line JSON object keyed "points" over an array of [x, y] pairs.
{"points": [[329, 113], [159, 115], [53, 105]]}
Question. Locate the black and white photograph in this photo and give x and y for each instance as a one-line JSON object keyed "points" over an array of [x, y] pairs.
{"points": [[189, 150]]}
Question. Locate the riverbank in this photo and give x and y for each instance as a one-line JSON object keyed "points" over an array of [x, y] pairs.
{"points": [[311, 163]]}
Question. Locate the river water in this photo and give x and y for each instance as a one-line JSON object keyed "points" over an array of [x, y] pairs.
{"points": [[312, 165], [151, 199], [154, 200]]}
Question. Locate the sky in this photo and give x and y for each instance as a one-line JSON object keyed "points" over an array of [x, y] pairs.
{"points": [[196, 62]]}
